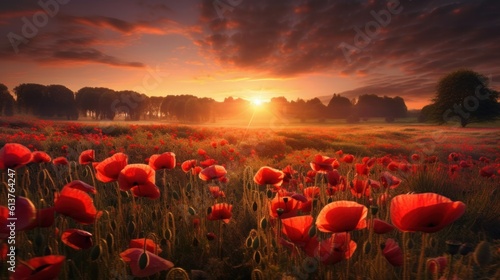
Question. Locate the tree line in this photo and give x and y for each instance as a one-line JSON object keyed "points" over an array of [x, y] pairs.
{"points": [[58, 101]]}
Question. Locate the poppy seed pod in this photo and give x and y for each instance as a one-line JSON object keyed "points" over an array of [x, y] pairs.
{"points": [[482, 253]]}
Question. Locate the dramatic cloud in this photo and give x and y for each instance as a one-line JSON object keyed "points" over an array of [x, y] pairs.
{"points": [[356, 38], [297, 48]]}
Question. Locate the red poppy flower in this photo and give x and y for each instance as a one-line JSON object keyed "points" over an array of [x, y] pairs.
{"points": [[464, 164], [381, 226], [220, 211], [46, 267], [151, 246], [348, 158], [342, 216], [39, 157], [393, 166], [323, 163], [140, 179], [389, 181], [297, 229], [44, 218], [437, 265], [431, 159], [415, 157], [360, 188], [487, 171], [77, 205], [196, 170], [206, 163], [13, 155], [86, 157], [77, 239], [312, 192], [425, 212], [213, 172], [332, 250], [269, 176], [202, 152], [163, 161], [288, 173], [60, 161], [362, 169], [188, 165], [333, 177], [77, 184], [283, 207], [24, 212], [109, 169], [392, 252], [216, 192], [155, 264]]}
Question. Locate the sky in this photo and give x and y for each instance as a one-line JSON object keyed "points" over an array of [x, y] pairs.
{"points": [[250, 48]]}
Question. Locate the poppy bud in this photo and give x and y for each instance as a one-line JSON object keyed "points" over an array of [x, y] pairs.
{"points": [[168, 234], [280, 211], [195, 242], [452, 247], [256, 243], [111, 241], [254, 206], [131, 228], [249, 241], [482, 254], [367, 247], [211, 236], [191, 211], [95, 253], [263, 223], [269, 193], [465, 249], [257, 257], [143, 260], [312, 231], [373, 209]]}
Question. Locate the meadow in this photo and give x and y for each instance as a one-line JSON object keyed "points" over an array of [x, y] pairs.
{"points": [[271, 200]]}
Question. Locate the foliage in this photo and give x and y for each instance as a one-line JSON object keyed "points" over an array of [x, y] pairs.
{"points": [[464, 97]]}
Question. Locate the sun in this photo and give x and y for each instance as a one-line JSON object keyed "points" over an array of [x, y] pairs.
{"points": [[256, 101]]}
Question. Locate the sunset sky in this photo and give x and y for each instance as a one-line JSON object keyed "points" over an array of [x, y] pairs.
{"points": [[249, 48]]}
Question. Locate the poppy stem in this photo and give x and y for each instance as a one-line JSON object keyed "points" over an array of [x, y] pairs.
{"points": [[220, 239], [421, 259], [348, 241], [405, 254]]}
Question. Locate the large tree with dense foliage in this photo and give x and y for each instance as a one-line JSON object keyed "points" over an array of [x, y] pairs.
{"points": [[6, 101], [464, 96], [339, 107]]}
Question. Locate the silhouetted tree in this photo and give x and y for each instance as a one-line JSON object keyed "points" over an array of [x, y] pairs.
{"points": [[87, 100], [373, 106], [108, 100], [339, 107], [30, 98], [463, 96], [426, 113], [6, 101]]}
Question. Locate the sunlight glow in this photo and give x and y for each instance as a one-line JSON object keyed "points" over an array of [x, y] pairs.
{"points": [[256, 101]]}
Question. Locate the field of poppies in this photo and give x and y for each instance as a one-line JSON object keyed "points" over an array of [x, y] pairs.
{"points": [[83, 200]]}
